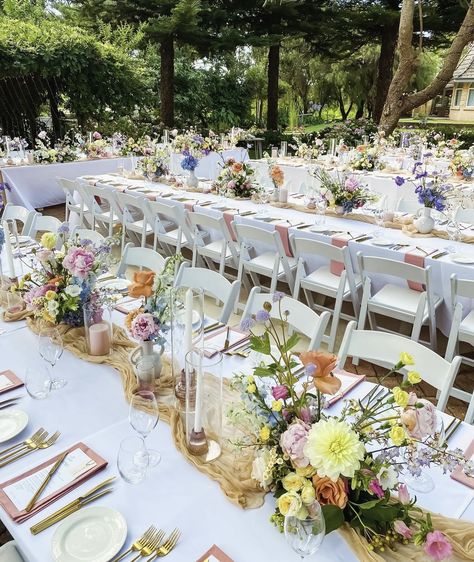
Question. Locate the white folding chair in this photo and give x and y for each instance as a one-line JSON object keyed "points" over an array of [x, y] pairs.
{"points": [[17, 213], [170, 227], [87, 204], [87, 234], [395, 301], [300, 318], [469, 417], [411, 206], [462, 328], [42, 223], [383, 349], [206, 247], [464, 215], [142, 258], [107, 214], [324, 281], [261, 252], [213, 284], [134, 209], [73, 199], [9, 553]]}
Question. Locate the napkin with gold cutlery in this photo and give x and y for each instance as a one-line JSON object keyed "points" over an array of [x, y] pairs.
{"points": [[225, 339], [348, 382], [79, 464]]}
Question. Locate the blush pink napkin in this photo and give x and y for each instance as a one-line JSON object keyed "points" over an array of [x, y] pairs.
{"points": [[189, 205], [229, 217], [282, 230], [357, 379], [16, 382], [217, 553], [337, 267], [419, 261], [20, 516], [459, 475]]}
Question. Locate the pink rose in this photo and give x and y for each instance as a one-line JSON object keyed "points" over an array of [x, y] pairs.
{"points": [[402, 529], [79, 262], [231, 184], [403, 494], [144, 327], [280, 392], [437, 546], [351, 184], [293, 441], [420, 422], [96, 135], [375, 488]]}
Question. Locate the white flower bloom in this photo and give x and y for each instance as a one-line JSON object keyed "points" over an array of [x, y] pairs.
{"points": [[260, 471], [53, 307], [387, 477], [42, 135], [73, 290]]}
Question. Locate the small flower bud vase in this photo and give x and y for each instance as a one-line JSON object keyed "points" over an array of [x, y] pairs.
{"points": [[424, 222], [192, 180]]}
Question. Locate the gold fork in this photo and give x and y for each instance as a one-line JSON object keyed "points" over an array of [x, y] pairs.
{"points": [[44, 445], [167, 546], [138, 544], [151, 545], [38, 435]]}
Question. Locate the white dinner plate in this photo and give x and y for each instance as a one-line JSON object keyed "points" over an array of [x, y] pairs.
{"points": [[93, 534], [12, 422], [381, 242], [318, 228], [116, 284], [462, 258]]}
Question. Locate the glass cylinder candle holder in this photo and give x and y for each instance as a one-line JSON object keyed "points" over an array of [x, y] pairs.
{"points": [[203, 400], [274, 152], [98, 328], [283, 148]]}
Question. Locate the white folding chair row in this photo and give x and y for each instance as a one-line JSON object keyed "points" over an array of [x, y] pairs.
{"points": [[261, 252], [462, 326], [17, 213], [107, 213], [300, 317], [169, 225], [87, 234], [212, 283], [221, 250], [73, 198], [383, 349], [141, 258], [324, 281], [135, 227], [395, 301]]}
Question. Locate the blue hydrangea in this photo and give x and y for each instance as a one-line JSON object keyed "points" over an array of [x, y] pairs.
{"points": [[189, 162]]}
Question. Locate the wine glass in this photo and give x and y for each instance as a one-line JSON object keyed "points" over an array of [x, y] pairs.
{"points": [[143, 416], [132, 460], [38, 382], [454, 233], [379, 220], [50, 347], [321, 206], [305, 536]]}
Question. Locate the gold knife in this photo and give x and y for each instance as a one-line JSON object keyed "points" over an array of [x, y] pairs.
{"points": [[43, 485], [226, 343]]}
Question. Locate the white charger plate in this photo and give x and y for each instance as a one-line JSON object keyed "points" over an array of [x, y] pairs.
{"points": [[381, 242], [12, 423], [93, 534], [463, 259], [318, 228], [116, 284]]}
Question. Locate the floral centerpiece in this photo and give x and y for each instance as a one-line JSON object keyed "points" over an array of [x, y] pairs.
{"points": [[431, 189], [366, 157], [44, 153], [143, 146], [194, 146], [342, 192], [462, 165], [236, 180], [276, 175], [309, 151], [156, 165], [97, 148], [349, 463], [65, 279]]}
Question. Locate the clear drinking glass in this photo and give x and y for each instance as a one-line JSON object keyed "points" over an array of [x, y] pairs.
{"points": [[305, 536], [143, 416], [38, 382], [50, 347], [132, 460], [454, 233]]}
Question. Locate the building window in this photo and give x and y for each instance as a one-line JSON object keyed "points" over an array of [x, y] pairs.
{"points": [[457, 97], [470, 96]]}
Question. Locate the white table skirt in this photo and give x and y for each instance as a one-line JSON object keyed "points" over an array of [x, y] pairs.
{"points": [[209, 166], [35, 186], [92, 409]]}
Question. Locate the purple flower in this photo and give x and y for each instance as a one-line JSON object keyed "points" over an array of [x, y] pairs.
{"points": [[310, 369], [86, 242], [262, 316], [96, 135], [189, 162], [376, 488], [305, 415], [351, 184], [437, 546], [403, 494], [280, 392], [277, 296], [64, 228], [399, 180], [247, 324], [400, 528]]}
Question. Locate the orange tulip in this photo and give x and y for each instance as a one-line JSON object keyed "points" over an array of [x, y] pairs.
{"points": [[142, 285], [325, 363]]}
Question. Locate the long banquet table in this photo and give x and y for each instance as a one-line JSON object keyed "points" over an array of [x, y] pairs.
{"points": [[92, 409], [441, 268]]}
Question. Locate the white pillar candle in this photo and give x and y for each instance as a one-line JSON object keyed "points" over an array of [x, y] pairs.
{"points": [[283, 195], [198, 406], [188, 322], [8, 251], [99, 338]]}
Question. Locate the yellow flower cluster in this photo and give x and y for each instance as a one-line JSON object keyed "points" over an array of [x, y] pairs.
{"points": [[49, 240]]}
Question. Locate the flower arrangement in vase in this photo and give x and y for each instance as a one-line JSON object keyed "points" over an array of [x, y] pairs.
{"points": [[44, 153], [97, 147], [366, 157], [342, 192], [143, 146], [236, 180], [462, 166], [155, 166], [65, 279], [350, 463], [309, 151]]}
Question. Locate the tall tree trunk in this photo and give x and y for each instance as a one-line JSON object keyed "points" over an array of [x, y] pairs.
{"points": [[398, 101], [360, 110], [272, 87], [385, 67], [54, 110], [167, 81]]}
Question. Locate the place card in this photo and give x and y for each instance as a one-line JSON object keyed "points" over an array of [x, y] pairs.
{"points": [[127, 305], [461, 476], [217, 339], [9, 381], [79, 465], [348, 382], [214, 554]]}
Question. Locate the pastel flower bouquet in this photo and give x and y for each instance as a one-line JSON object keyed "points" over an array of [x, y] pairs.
{"points": [[276, 175], [343, 192], [432, 189], [366, 157], [352, 463], [236, 180], [156, 165], [309, 151], [64, 280], [143, 146], [97, 148], [462, 166], [194, 146]]}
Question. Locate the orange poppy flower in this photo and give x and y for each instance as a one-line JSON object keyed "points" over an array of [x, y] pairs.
{"points": [[325, 363], [142, 285]]}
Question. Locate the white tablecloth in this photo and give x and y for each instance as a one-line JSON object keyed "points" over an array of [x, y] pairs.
{"points": [[92, 409], [209, 166], [35, 186]]}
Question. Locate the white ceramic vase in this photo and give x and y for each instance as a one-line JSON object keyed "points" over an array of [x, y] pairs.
{"points": [[147, 349], [192, 180], [424, 222]]}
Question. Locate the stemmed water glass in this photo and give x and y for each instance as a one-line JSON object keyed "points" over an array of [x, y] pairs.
{"points": [[143, 416], [305, 536], [50, 347]]}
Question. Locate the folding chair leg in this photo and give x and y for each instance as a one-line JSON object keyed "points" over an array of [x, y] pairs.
{"points": [[335, 323]]}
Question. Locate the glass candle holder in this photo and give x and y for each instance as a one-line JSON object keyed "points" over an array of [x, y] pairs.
{"points": [[98, 328], [203, 401]]}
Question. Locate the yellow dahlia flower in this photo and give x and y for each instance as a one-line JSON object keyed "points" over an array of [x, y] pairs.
{"points": [[334, 449], [48, 240]]}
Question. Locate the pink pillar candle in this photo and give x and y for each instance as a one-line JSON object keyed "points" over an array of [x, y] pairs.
{"points": [[99, 338]]}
